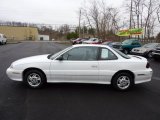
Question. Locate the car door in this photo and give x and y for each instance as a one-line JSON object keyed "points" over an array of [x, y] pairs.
{"points": [[108, 64], [76, 65]]}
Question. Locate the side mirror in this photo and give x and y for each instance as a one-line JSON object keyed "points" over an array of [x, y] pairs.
{"points": [[60, 58]]}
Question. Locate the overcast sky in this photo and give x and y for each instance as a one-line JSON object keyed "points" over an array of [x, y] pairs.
{"points": [[45, 11]]}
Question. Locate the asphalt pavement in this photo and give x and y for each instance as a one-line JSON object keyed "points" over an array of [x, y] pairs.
{"points": [[72, 101]]}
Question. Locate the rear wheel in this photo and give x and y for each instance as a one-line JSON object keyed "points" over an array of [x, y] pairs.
{"points": [[34, 78], [123, 81]]}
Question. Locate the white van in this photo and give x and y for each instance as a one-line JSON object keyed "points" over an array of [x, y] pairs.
{"points": [[3, 39]]}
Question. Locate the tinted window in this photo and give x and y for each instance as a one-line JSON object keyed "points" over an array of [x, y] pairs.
{"points": [[127, 42], [106, 54], [135, 43], [81, 54]]}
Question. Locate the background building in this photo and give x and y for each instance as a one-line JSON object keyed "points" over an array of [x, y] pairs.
{"points": [[19, 33], [43, 37]]}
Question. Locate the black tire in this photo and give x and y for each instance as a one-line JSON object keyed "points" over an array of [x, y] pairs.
{"points": [[39, 80], [156, 58], [116, 81]]}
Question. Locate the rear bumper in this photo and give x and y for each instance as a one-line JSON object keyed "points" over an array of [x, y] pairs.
{"points": [[15, 75], [143, 76]]}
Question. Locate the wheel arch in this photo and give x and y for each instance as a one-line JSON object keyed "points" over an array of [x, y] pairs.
{"points": [[33, 68], [124, 71]]}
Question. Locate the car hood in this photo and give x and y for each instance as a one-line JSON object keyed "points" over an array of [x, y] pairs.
{"points": [[137, 58], [32, 59], [141, 49]]}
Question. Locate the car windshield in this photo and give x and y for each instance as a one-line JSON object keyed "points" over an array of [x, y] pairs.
{"points": [[150, 45], [116, 43], [53, 56], [121, 54], [127, 42], [158, 45], [92, 39]]}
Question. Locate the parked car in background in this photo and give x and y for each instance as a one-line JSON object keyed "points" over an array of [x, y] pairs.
{"points": [[109, 43], [156, 53], [129, 44], [146, 50], [93, 41], [82, 40], [3, 39], [76, 41], [98, 64], [116, 45]]}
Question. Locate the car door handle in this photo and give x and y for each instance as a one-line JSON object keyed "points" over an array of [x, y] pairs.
{"points": [[94, 66]]}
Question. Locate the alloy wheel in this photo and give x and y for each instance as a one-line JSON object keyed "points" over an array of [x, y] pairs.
{"points": [[34, 79], [123, 82]]}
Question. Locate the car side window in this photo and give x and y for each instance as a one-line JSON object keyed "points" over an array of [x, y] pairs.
{"points": [[135, 43], [81, 54], [106, 54]]}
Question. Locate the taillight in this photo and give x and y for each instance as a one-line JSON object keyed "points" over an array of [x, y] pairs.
{"points": [[148, 65]]}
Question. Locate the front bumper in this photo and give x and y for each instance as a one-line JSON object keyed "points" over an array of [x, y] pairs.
{"points": [[143, 76], [14, 74]]}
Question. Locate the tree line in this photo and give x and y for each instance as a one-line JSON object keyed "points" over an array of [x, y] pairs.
{"points": [[105, 19]]}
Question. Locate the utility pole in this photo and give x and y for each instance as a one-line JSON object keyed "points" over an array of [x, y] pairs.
{"points": [[130, 26], [79, 29], [83, 29]]}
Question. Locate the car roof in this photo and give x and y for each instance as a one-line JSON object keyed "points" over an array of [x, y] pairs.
{"points": [[90, 45]]}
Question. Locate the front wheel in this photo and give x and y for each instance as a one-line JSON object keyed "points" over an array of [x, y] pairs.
{"points": [[34, 79], [123, 81]]}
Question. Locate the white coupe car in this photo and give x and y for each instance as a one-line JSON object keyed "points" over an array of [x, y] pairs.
{"points": [[98, 64]]}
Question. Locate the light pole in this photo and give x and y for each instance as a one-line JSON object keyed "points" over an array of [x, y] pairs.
{"points": [[130, 26], [79, 29]]}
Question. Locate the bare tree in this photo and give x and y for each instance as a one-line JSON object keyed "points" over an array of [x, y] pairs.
{"points": [[158, 13], [101, 17], [144, 12]]}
